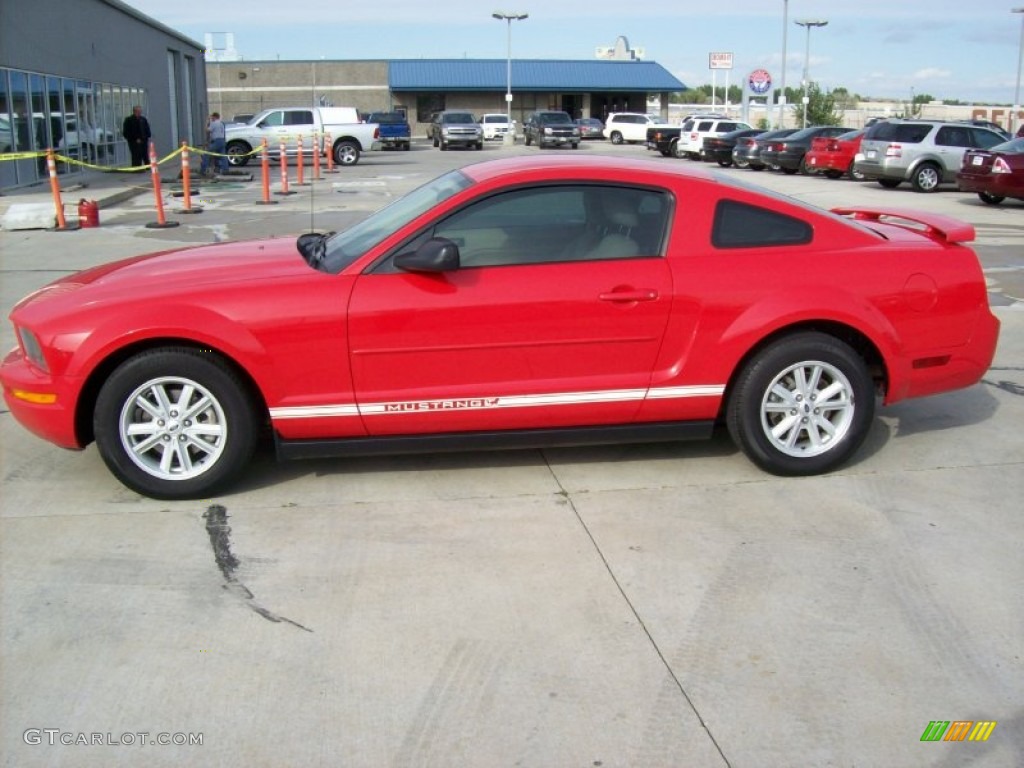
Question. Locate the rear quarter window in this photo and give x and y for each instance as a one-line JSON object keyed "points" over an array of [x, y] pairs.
{"points": [[741, 225]]}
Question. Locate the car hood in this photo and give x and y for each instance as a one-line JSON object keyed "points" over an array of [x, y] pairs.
{"points": [[183, 271]]}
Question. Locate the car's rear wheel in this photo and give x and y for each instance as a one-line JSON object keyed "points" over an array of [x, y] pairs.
{"points": [[677, 150], [346, 153], [854, 173], [889, 183], [990, 199], [741, 164], [802, 405], [725, 163], [175, 423], [926, 178], [616, 137]]}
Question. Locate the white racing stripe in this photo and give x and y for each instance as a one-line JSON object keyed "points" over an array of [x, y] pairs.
{"points": [[495, 403]]}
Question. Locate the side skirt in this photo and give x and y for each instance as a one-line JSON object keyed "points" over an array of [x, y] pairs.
{"points": [[492, 441]]}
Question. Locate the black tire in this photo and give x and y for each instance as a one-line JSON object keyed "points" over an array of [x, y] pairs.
{"points": [[435, 141], [772, 415], [665, 152], [990, 199], [832, 174], [676, 150], [741, 164], [213, 438], [616, 137], [927, 178], [346, 152], [238, 153], [406, 146], [854, 173], [725, 163], [575, 145], [890, 183]]}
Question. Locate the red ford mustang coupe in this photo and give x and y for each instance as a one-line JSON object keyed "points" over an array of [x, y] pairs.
{"points": [[519, 302]]}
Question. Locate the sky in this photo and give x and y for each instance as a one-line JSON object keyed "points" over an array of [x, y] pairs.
{"points": [[887, 49]]}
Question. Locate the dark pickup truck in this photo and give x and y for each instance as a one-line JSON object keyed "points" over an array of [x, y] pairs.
{"points": [[394, 129], [663, 139]]}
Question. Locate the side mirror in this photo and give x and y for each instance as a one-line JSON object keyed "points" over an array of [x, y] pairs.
{"points": [[436, 255]]}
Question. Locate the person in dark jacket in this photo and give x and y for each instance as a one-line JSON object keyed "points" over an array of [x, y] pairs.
{"points": [[136, 132]]}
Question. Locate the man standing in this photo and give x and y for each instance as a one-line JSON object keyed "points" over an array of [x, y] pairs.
{"points": [[218, 142], [136, 132]]}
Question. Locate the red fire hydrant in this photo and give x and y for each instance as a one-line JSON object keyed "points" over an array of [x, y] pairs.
{"points": [[88, 213]]}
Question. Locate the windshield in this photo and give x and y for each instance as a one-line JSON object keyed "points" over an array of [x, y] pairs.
{"points": [[459, 118], [1014, 146], [345, 247], [555, 118]]}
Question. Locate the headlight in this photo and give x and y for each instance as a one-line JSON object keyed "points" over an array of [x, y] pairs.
{"points": [[33, 349], [548, 131]]}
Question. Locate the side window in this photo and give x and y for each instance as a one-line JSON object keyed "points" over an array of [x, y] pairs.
{"points": [[986, 139], [740, 225], [705, 125], [300, 117], [272, 120], [549, 224], [726, 127], [953, 136]]}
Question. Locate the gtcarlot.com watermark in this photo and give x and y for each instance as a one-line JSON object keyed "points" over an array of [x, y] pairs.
{"points": [[57, 737]]}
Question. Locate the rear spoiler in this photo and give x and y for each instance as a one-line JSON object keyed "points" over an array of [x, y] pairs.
{"points": [[934, 225]]}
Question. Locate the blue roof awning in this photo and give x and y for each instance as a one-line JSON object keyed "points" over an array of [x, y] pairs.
{"points": [[530, 75]]}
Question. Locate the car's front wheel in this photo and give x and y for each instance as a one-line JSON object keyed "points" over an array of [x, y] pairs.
{"points": [[802, 406], [175, 423], [238, 153], [616, 137]]}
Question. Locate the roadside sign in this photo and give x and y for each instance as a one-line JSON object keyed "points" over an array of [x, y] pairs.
{"points": [[759, 81], [719, 61]]}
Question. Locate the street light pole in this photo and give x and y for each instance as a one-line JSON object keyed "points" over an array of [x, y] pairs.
{"points": [[807, 24], [1015, 122], [510, 136], [782, 91]]}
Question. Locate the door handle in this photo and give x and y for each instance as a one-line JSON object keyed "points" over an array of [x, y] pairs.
{"points": [[648, 294]]}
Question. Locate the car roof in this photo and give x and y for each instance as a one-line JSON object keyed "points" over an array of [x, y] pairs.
{"points": [[489, 170]]}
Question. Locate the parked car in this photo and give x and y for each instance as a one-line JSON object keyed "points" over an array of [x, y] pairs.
{"points": [[926, 153], [787, 153], [665, 138], [833, 156], [629, 127], [395, 132], [695, 130], [747, 153], [456, 128], [349, 137], [551, 128], [495, 125], [590, 127], [521, 301], [994, 174], [718, 149]]}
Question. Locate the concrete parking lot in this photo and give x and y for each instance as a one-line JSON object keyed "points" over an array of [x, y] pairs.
{"points": [[646, 605]]}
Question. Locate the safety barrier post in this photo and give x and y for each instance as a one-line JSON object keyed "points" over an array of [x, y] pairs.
{"points": [[284, 173], [51, 167], [329, 149], [186, 182], [265, 168], [316, 156], [301, 162], [161, 220]]}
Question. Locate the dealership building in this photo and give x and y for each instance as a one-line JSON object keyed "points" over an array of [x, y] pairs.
{"points": [[68, 82]]}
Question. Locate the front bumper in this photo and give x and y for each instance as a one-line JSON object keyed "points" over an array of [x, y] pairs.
{"points": [[54, 421]]}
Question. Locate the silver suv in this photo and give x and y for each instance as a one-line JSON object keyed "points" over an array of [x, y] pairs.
{"points": [[453, 128], [924, 152]]}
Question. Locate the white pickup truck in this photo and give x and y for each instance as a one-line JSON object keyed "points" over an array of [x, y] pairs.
{"points": [[349, 136]]}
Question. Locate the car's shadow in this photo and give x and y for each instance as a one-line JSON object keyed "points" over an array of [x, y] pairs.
{"points": [[914, 417]]}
